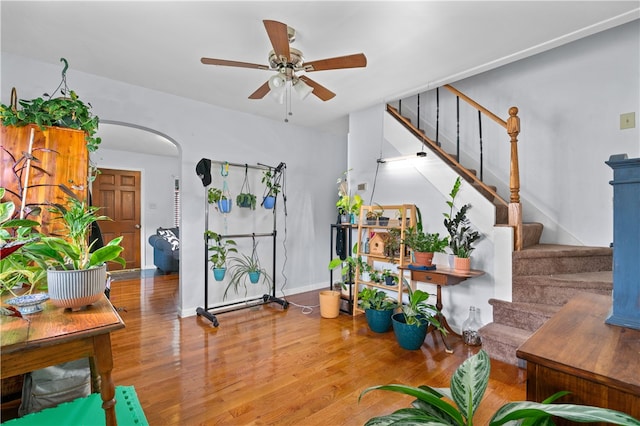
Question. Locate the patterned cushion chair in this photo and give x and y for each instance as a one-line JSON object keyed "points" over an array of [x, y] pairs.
{"points": [[166, 249]]}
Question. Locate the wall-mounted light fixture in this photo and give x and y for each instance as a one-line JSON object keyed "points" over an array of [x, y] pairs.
{"points": [[419, 154]]}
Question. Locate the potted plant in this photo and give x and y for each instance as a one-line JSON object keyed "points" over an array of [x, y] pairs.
{"points": [[424, 244], [389, 277], [221, 249], [19, 267], [67, 111], [374, 214], [243, 267], [461, 235], [245, 198], [347, 204], [221, 199], [468, 385], [378, 308], [271, 180], [411, 324], [76, 275]]}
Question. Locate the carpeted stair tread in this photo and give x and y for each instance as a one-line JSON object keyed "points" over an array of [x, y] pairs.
{"points": [[560, 250], [525, 316], [501, 341], [558, 289]]}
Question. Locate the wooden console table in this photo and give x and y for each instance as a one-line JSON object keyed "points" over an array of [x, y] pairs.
{"points": [[54, 336], [442, 276], [576, 351]]}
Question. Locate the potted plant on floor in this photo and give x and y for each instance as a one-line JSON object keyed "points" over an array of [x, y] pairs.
{"points": [[221, 249], [378, 308], [76, 275], [243, 267], [468, 385], [461, 234], [411, 324]]}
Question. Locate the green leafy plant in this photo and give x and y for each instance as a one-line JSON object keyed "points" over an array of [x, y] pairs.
{"points": [[75, 251], [246, 200], [347, 203], [19, 267], [387, 276], [468, 385], [271, 180], [220, 249], [418, 310], [239, 270], [424, 242], [214, 195], [373, 298], [461, 234], [67, 111]]}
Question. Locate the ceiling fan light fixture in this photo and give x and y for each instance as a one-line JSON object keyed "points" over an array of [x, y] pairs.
{"points": [[302, 89], [277, 82]]}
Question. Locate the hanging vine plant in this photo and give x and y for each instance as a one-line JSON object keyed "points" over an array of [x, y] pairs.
{"points": [[65, 111], [246, 199], [244, 267]]}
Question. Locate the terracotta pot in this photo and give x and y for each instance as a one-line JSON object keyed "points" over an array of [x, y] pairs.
{"points": [[423, 258], [462, 263]]}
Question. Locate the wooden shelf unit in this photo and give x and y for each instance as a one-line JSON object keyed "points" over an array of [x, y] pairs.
{"points": [[404, 216]]}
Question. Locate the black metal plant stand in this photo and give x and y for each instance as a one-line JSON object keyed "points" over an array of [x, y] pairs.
{"points": [[211, 312]]}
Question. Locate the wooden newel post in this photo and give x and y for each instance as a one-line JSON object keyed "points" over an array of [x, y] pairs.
{"points": [[515, 210]]}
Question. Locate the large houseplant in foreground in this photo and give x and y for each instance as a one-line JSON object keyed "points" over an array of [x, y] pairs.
{"points": [[77, 269], [468, 385]]}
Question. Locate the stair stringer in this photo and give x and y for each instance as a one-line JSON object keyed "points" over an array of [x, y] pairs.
{"points": [[495, 252]]}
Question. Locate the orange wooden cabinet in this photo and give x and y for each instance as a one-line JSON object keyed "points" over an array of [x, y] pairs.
{"points": [[59, 157]]}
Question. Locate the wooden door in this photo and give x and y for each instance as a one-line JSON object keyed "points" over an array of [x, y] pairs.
{"points": [[118, 193]]}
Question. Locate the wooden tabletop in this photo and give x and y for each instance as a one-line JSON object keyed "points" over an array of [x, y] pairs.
{"points": [[55, 325], [577, 341]]}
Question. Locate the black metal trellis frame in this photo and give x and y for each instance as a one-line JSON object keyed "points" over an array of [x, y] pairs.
{"points": [[211, 312]]}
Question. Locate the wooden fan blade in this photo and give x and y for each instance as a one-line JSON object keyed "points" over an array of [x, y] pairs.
{"points": [[223, 62], [320, 91], [279, 37], [350, 61], [261, 92]]}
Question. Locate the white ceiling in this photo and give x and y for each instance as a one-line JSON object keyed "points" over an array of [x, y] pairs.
{"points": [[409, 45]]}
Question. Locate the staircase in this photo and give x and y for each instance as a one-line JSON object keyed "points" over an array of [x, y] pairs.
{"points": [[545, 277]]}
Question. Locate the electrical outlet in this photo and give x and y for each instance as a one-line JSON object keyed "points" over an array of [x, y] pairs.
{"points": [[362, 187], [628, 120]]}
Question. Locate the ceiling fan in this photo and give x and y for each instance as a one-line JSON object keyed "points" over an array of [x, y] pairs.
{"points": [[287, 61]]}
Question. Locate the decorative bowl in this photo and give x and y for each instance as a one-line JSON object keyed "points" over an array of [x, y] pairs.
{"points": [[28, 303]]}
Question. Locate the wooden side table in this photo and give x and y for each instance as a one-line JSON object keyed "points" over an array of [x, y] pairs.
{"points": [[440, 276], [54, 336]]}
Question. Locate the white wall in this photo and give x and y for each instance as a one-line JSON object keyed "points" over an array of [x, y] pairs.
{"points": [[570, 100], [314, 161], [157, 190]]}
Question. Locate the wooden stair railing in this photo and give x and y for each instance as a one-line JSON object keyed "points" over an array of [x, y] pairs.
{"points": [[512, 126]]}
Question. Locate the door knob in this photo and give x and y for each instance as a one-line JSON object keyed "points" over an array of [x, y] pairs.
{"points": [[137, 226]]}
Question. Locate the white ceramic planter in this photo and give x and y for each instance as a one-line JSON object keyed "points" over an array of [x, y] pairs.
{"points": [[76, 289]]}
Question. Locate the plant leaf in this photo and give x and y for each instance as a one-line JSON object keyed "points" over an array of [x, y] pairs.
{"points": [[577, 413], [406, 416], [469, 382], [425, 394]]}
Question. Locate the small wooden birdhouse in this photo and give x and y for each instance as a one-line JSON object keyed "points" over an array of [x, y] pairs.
{"points": [[377, 243]]}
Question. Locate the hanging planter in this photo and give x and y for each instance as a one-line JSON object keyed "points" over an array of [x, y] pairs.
{"points": [[225, 205], [269, 202], [245, 266], [246, 199], [218, 273], [271, 179], [221, 197], [254, 277]]}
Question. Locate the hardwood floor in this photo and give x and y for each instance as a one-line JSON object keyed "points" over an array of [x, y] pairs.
{"points": [[269, 366]]}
